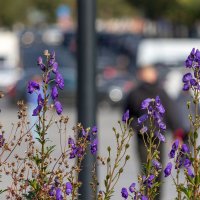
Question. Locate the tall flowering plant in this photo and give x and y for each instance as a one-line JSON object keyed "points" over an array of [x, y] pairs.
{"points": [[186, 157], [38, 174], [152, 128]]}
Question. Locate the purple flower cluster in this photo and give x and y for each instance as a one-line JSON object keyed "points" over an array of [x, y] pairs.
{"points": [[55, 190], [77, 149], [181, 156], [192, 80], [155, 112], [33, 86], [148, 181], [132, 190]]}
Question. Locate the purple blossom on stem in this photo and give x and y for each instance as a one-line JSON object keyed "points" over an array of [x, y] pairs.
{"points": [[58, 107], [40, 63], [68, 188], [142, 118], [124, 193], [190, 173], [187, 163], [93, 146], [32, 86], [144, 197], [145, 103], [125, 116], [37, 110], [185, 148], [132, 187], [54, 92], [52, 191], [172, 154], [156, 164], [167, 170], [94, 129], [59, 194], [175, 145], [55, 67], [59, 80]]}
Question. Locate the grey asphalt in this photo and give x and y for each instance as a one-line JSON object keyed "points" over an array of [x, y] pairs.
{"points": [[107, 118]]}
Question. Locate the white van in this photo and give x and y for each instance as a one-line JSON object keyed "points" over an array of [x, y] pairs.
{"points": [[170, 53], [9, 60]]}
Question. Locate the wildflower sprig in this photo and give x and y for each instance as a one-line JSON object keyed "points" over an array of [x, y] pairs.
{"points": [[152, 128], [115, 167], [39, 174], [191, 82]]}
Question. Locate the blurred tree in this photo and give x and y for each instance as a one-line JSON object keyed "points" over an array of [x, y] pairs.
{"points": [[18, 10], [114, 8], [178, 11]]}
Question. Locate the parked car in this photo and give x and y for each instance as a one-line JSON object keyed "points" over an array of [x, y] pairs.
{"points": [[10, 70]]}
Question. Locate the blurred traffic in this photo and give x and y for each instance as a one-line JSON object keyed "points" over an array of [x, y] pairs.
{"points": [[116, 60], [118, 56]]}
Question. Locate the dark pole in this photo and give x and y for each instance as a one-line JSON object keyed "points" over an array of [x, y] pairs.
{"points": [[86, 91]]}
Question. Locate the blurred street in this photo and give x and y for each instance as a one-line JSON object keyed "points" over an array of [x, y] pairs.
{"points": [[107, 118]]}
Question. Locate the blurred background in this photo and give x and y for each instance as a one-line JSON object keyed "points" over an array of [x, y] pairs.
{"points": [[122, 25], [130, 33]]}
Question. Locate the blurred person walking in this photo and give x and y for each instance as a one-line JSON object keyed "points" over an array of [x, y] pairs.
{"points": [[149, 86]]}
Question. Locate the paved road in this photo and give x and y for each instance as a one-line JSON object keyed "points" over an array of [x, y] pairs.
{"points": [[107, 118]]}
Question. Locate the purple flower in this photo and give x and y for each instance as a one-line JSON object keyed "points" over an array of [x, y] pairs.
{"points": [[144, 197], [124, 193], [54, 92], [32, 86], [59, 194], [40, 63], [132, 187], [175, 145], [93, 146], [55, 67], [125, 116], [168, 169], [145, 103], [71, 142], [40, 100], [142, 119], [52, 191], [68, 188], [37, 110], [94, 129], [143, 130], [73, 152], [161, 109], [190, 173], [186, 87], [185, 148], [148, 181], [58, 107], [187, 163], [160, 136], [59, 80], [162, 125], [157, 164], [187, 77], [171, 153]]}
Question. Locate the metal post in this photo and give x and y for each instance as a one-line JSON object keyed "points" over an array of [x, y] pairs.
{"points": [[86, 90]]}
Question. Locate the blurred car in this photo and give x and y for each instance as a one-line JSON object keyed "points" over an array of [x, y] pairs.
{"points": [[114, 91], [10, 70]]}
